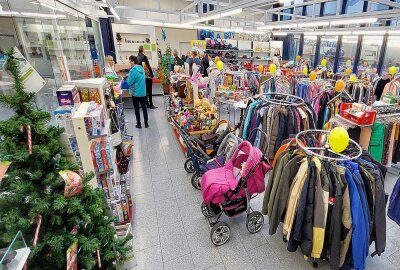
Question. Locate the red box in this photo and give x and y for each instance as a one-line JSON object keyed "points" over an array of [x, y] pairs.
{"points": [[368, 118]]}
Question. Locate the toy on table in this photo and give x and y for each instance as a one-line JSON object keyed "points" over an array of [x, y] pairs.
{"points": [[201, 117]]}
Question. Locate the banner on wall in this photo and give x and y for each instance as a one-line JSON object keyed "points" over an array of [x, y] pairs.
{"points": [[31, 79], [199, 44]]}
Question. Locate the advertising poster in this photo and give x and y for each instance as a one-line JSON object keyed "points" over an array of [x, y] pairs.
{"points": [[31, 79]]}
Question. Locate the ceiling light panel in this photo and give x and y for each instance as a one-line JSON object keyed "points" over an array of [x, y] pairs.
{"points": [[367, 32], [354, 21], [336, 33], [279, 34], [286, 26], [152, 23], [313, 24], [178, 25]]}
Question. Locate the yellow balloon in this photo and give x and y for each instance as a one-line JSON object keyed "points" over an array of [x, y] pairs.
{"points": [[348, 71], [260, 68], [298, 58], [305, 71], [338, 139], [313, 75], [272, 68], [392, 70], [323, 62], [339, 85], [197, 102], [220, 65], [216, 59], [353, 78]]}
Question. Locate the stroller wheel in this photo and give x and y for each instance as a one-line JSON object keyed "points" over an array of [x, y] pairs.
{"points": [[220, 233], [196, 179], [255, 222], [189, 165], [205, 210]]}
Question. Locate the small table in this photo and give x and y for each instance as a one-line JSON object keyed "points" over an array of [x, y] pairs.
{"points": [[236, 105]]}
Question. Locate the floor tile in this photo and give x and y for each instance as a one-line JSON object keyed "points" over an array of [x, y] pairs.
{"points": [[205, 254], [141, 184], [149, 259], [173, 240], [182, 263], [192, 218], [168, 212]]}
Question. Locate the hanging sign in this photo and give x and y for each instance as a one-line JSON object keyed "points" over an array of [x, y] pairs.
{"points": [[31, 79], [199, 44]]}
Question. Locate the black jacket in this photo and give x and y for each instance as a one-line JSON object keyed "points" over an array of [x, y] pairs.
{"points": [[179, 61], [143, 58]]}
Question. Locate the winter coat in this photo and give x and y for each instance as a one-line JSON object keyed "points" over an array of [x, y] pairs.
{"points": [[282, 132], [358, 238], [320, 209], [307, 235], [346, 216], [278, 129], [335, 225], [294, 197], [137, 81], [282, 194], [394, 203]]}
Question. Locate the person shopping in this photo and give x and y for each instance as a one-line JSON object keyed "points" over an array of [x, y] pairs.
{"points": [[137, 88], [144, 62]]}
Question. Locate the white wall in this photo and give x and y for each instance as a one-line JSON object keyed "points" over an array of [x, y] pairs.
{"points": [[136, 29], [177, 39]]}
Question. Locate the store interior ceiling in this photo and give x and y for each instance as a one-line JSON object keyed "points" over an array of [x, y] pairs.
{"points": [[250, 16]]}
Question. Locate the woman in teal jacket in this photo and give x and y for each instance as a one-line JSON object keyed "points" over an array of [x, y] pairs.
{"points": [[137, 88]]}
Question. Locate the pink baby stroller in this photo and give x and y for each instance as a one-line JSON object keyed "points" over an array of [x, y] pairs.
{"points": [[229, 190]]}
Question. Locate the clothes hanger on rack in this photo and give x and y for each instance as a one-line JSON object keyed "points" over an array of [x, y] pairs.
{"points": [[279, 99], [353, 151]]}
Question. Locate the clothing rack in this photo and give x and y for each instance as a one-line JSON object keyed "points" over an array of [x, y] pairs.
{"points": [[353, 151], [278, 99]]}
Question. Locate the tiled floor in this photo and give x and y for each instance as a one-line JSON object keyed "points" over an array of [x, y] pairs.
{"points": [[170, 232]]}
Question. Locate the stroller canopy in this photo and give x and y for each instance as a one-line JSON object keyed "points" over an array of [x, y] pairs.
{"points": [[216, 184]]}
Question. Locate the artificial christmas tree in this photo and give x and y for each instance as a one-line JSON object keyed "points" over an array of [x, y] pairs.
{"points": [[32, 192]]}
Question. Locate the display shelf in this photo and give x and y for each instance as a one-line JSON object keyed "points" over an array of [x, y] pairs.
{"points": [[105, 131]]}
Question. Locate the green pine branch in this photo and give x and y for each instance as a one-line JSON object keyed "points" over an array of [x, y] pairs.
{"points": [[33, 187]]}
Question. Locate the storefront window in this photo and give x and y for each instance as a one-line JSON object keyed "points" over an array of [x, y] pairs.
{"points": [[310, 43], [330, 8], [392, 57], [354, 6], [378, 7], [347, 53], [327, 50], [310, 10], [370, 50], [286, 17]]}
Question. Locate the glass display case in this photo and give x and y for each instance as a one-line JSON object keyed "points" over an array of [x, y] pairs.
{"points": [[347, 53], [327, 50], [15, 255], [61, 43]]}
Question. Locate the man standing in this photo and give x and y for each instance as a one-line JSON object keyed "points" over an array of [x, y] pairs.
{"points": [[137, 88], [144, 62]]}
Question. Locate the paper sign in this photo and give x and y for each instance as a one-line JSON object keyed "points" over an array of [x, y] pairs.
{"points": [[31, 79], [199, 44]]}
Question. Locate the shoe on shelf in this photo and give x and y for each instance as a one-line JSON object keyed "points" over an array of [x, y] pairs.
{"points": [[153, 107], [138, 126], [146, 125]]}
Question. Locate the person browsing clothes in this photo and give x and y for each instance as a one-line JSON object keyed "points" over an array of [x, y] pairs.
{"points": [[144, 62], [137, 88]]}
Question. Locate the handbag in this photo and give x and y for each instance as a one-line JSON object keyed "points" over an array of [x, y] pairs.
{"points": [[122, 161]]}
